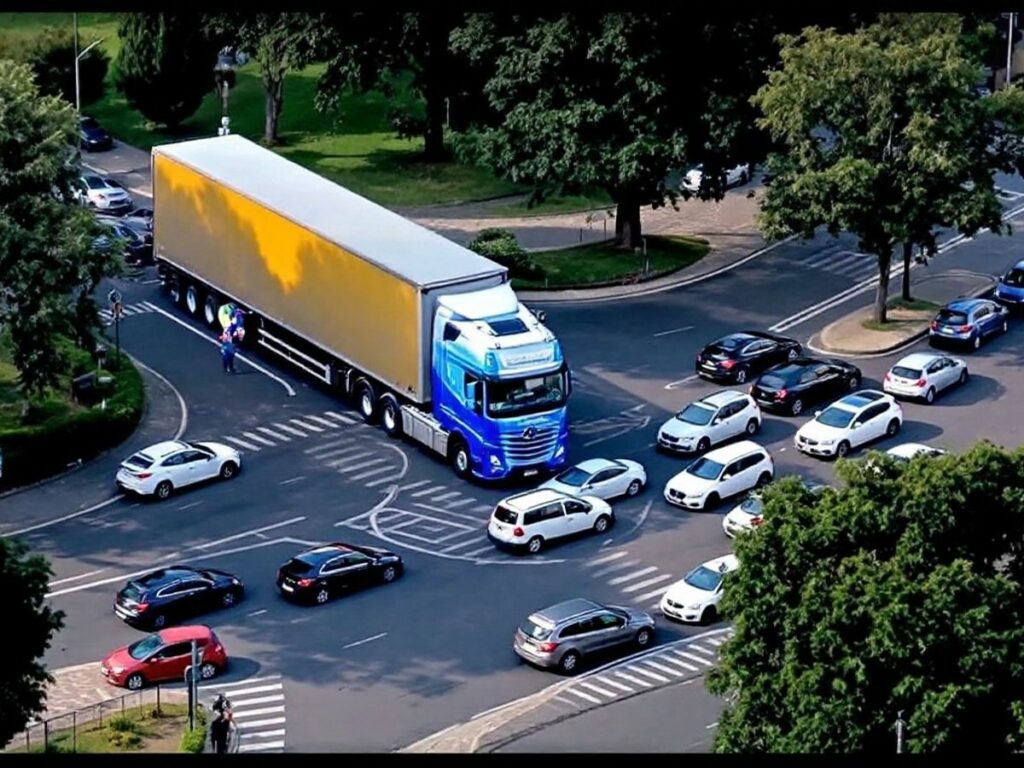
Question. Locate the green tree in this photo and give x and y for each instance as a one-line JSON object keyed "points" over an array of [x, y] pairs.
{"points": [[51, 54], [279, 43], [23, 679], [47, 259], [884, 136], [893, 592], [501, 246], [165, 65]]}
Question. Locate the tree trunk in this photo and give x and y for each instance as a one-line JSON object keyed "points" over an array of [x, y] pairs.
{"points": [[435, 81], [273, 86], [882, 296], [908, 254], [627, 223], [433, 131]]}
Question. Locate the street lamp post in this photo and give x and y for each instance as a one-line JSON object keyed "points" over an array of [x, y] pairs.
{"points": [[900, 727], [224, 78], [78, 58], [1009, 51]]}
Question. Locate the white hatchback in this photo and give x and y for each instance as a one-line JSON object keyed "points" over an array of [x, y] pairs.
{"points": [[530, 520], [97, 192], [603, 478], [923, 374], [850, 422], [159, 469], [709, 421], [726, 471], [697, 595]]}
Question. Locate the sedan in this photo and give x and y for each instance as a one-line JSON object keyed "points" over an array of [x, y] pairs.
{"points": [[92, 135], [923, 374], [96, 192], [603, 478], [739, 356], [178, 591], [1010, 289], [909, 451], [790, 386], [163, 657], [320, 573], [161, 468], [850, 422], [740, 174], [140, 220], [696, 596], [968, 321], [134, 248]]}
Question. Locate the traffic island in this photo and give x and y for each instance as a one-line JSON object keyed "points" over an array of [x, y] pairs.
{"points": [[857, 334]]}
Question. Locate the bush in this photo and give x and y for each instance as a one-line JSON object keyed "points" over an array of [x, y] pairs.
{"points": [[51, 54], [122, 724], [194, 740], [501, 246]]}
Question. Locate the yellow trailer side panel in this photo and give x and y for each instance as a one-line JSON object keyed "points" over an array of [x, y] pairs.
{"points": [[293, 276]]}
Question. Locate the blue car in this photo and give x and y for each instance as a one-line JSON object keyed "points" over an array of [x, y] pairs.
{"points": [[968, 321], [92, 136], [1010, 289]]}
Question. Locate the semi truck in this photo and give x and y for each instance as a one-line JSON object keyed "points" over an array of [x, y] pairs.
{"points": [[425, 336]]}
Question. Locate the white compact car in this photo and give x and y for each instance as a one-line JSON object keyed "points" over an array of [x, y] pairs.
{"points": [[850, 422], [709, 421], [530, 520], [749, 513], [908, 451], [102, 194], [603, 478], [161, 468], [724, 472], [696, 596], [923, 374], [738, 175]]}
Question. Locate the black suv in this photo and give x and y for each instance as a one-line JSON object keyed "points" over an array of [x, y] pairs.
{"points": [[789, 387]]}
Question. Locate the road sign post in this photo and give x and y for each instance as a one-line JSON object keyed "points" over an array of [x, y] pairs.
{"points": [[116, 308]]}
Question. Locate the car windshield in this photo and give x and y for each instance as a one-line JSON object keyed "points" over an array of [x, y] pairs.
{"points": [[696, 414], [953, 317], [529, 395], [836, 417], [140, 649], [752, 505], [573, 476], [132, 591], [1014, 277], [95, 182], [298, 566], [705, 469], [730, 343], [703, 578], [89, 122], [534, 631], [774, 380], [906, 373], [505, 515]]}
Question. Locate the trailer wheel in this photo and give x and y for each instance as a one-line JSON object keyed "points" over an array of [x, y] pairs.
{"points": [[391, 415], [210, 310], [366, 401], [174, 289], [192, 299]]}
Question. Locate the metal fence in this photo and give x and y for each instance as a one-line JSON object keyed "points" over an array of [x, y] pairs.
{"points": [[63, 729]]}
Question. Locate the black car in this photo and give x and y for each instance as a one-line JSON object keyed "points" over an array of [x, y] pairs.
{"points": [[140, 220], [92, 135], [738, 356], [174, 593], [789, 386], [323, 572], [136, 250]]}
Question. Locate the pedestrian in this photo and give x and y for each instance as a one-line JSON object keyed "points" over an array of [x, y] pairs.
{"points": [[227, 353], [219, 730]]}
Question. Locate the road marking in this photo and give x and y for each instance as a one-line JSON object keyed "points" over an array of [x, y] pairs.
{"points": [[265, 734], [293, 480], [239, 355], [687, 380], [598, 689], [258, 439], [460, 503], [257, 699], [365, 640], [72, 516], [290, 429], [329, 444], [634, 680], [648, 582], [236, 683], [653, 593], [321, 420], [614, 567], [304, 425], [648, 673], [632, 575], [475, 552], [488, 508], [254, 531], [615, 684], [254, 712], [674, 330], [691, 657], [242, 443], [703, 650], [340, 417], [444, 496], [258, 613], [467, 543], [339, 451], [679, 662], [375, 471], [662, 667], [261, 723], [277, 435], [189, 505], [716, 640], [469, 518], [586, 696], [428, 491], [606, 558], [364, 465], [79, 577], [712, 725], [410, 486], [354, 457], [250, 747]]}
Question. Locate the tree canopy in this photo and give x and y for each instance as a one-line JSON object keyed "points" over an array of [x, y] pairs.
{"points": [[51, 54], [900, 591]]}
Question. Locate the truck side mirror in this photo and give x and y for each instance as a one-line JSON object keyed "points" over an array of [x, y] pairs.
{"points": [[471, 391]]}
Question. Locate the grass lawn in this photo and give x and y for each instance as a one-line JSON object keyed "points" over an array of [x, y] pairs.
{"points": [[603, 263], [903, 314], [139, 729]]}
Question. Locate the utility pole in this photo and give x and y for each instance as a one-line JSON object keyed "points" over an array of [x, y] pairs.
{"points": [[78, 95], [900, 727], [1009, 51]]}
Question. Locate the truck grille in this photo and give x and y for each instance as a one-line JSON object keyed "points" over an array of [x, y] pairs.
{"points": [[520, 449]]}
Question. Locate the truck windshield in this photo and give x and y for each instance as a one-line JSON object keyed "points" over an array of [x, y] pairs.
{"points": [[516, 397]]}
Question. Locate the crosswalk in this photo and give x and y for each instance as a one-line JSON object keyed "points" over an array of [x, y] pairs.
{"points": [[637, 582], [287, 430], [852, 264], [258, 711], [127, 310]]}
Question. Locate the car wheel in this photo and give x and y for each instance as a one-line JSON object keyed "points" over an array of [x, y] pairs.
{"points": [[163, 490], [792, 354], [741, 376], [366, 401], [797, 407], [976, 343], [158, 621], [391, 415], [644, 637], [535, 545], [708, 615], [322, 596], [228, 470], [893, 428], [854, 383], [842, 449], [389, 574], [764, 479], [207, 670], [963, 376], [744, 177], [634, 488], [228, 599], [134, 682], [929, 396], [752, 427], [460, 459], [569, 663], [711, 501], [601, 524], [703, 444]]}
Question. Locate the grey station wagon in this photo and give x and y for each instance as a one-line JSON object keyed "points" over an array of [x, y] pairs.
{"points": [[562, 635]]}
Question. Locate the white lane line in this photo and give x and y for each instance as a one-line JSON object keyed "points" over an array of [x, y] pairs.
{"points": [[304, 425], [691, 657], [239, 355], [355, 457], [586, 696], [244, 444], [475, 552], [606, 558], [428, 491], [265, 734], [653, 593], [341, 417], [126, 311], [662, 668], [410, 486], [445, 496], [79, 577], [321, 420], [375, 471], [634, 680], [238, 704], [451, 523], [257, 613], [258, 439], [276, 435], [249, 747], [614, 567], [261, 723], [292, 480], [674, 330], [339, 451], [632, 575], [648, 582], [678, 662], [460, 545], [72, 516], [329, 444], [716, 640], [460, 503], [442, 511], [365, 640], [648, 673], [711, 725], [598, 689], [703, 650], [237, 683], [290, 429], [615, 684], [189, 505], [260, 711], [364, 465], [253, 532], [687, 380]]}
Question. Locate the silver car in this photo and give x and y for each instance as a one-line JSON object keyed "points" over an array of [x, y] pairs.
{"points": [[561, 636], [603, 478], [923, 374]]}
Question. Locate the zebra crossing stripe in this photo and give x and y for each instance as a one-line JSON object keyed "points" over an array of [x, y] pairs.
{"points": [[444, 496], [648, 673], [375, 471], [587, 696], [272, 433], [260, 689], [258, 439], [292, 430], [608, 558], [598, 689], [435, 489], [632, 575], [242, 443], [254, 712], [338, 451], [261, 747], [648, 582], [716, 640], [691, 657], [265, 734], [466, 543], [615, 684], [662, 668], [304, 425], [141, 308], [321, 420], [257, 700], [702, 649], [260, 723], [653, 593], [410, 486], [364, 465], [634, 680], [614, 567], [679, 662], [460, 503], [341, 417], [238, 683]]}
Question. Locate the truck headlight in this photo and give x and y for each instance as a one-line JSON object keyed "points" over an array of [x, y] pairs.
{"points": [[560, 452], [495, 461]]}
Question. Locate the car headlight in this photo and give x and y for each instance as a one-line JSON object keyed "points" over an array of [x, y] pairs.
{"points": [[827, 442], [235, 581], [694, 607], [117, 670]]}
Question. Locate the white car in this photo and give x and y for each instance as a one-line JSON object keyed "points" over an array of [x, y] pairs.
{"points": [[164, 467], [696, 596], [850, 422], [749, 513], [726, 471], [738, 175], [101, 194], [709, 421], [530, 520], [908, 451], [603, 478], [923, 374]]}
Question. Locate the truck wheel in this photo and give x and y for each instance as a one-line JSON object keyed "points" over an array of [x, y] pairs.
{"points": [[391, 415], [459, 456], [174, 289], [192, 299], [366, 401], [210, 310]]}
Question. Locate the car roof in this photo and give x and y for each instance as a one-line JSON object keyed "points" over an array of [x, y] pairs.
{"points": [[567, 609], [965, 304], [860, 399], [165, 448], [1018, 265], [522, 502], [163, 576], [722, 564], [722, 397], [180, 634], [596, 465], [919, 359], [909, 450], [323, 553], [733, 451]]}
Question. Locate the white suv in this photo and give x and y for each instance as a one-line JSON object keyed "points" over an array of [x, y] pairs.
{"points": [[530, 520], [709, 421], [725, 471], [850, 422], [697, 595]]}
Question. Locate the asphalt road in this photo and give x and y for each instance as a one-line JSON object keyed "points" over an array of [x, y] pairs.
{"points": [[433, 648]]}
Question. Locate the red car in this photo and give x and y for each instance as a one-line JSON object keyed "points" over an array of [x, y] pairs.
{"points": [[163, 656]]}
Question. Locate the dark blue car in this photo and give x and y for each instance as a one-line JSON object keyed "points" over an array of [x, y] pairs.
{"points": [[93, 136], [1010, 289], [967, 321]]}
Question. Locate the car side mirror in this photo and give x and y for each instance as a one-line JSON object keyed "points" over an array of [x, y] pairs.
{"points": [[716, 421], [727, 476], [586, 487], [817, 413]]}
